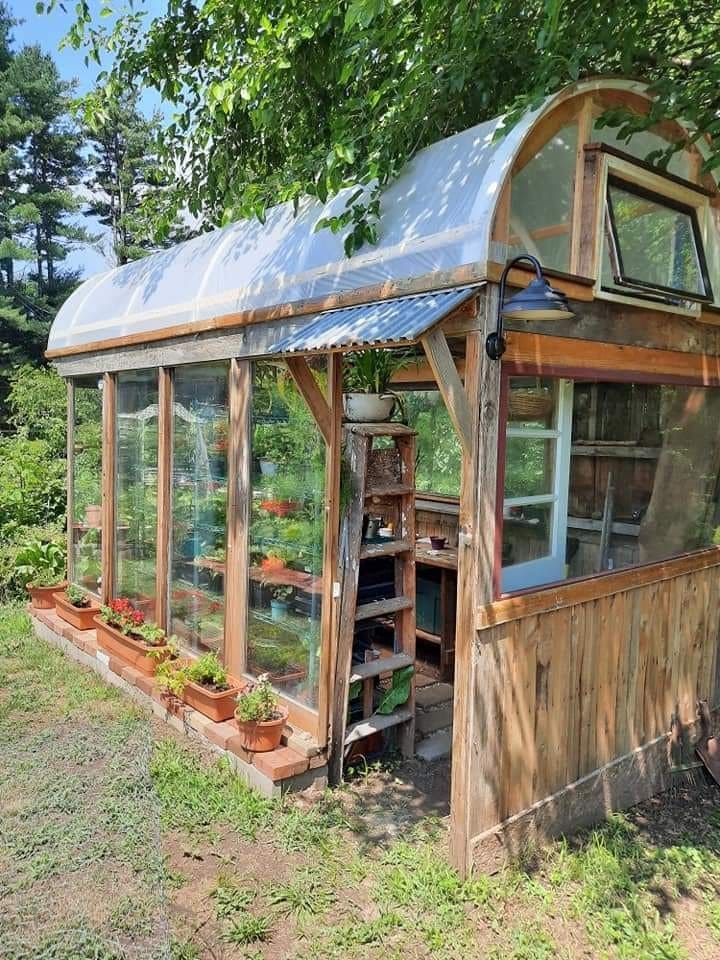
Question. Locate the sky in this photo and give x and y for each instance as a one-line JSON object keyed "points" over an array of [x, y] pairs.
{"points": [[48, 31]]}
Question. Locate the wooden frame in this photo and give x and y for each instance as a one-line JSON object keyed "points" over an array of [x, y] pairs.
{"points": [[238, 516], [70, 475], [109, 454], [164, 496]]}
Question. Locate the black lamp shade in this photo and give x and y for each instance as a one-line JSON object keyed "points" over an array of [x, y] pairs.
{"points": [[537, 301]]}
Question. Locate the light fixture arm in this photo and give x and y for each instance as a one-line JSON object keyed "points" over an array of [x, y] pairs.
{"points": [[495, 343]]}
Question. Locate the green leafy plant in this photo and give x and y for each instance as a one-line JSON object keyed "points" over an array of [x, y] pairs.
{"points": [[282, 594], [41, 564], [370, 371], [76, 596], [259, 704], [207, 671]]}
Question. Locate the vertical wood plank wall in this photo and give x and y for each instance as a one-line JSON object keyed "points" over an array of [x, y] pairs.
{"points": [[581, 686]]}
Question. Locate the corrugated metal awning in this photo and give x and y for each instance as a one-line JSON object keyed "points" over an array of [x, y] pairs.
{"points": [[372, 324]]}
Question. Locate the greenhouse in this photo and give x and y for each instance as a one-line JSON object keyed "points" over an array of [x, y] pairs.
{"points": [[456, 495]]}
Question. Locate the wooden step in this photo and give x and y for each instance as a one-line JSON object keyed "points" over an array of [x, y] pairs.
{"points": [[381, 608], [390, 490], [388, 548], [378, 721], [373, 668], [380, 429]]}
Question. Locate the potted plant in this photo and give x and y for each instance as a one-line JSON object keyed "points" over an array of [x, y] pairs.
{"points": [[367, 378], [280, 603], [276, 652], [93, 515], [259, 717], [76, 607], [203, 684], [122, 631], [42, 567], [275, 560]]}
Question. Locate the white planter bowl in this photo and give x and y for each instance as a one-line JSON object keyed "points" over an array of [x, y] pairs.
{"points": [[368, 407]]}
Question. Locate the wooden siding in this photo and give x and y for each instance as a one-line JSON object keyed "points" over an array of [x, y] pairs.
{"points": [[577, 687]]}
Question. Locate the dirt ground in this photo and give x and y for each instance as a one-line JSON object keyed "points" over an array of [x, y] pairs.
{"points": [[120, 840]]}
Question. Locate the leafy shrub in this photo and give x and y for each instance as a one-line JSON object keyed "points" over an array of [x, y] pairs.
{"points": [[41, 564], [77, 597], [207, 670], [38, 406], [12, 546], [32, 484]]}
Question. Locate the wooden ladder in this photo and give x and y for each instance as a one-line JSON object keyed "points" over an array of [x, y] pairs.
{"points": [[359, 439]]}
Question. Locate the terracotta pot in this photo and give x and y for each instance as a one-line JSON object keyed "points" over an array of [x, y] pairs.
{"points": [[215, 706], [43, 598], [281, 508], [272, 564], [259, 737], [93, 515], [134, 652], [79, 617]]}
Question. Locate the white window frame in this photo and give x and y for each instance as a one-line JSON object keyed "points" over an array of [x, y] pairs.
{"points": [[663, 186], [552, 567]]}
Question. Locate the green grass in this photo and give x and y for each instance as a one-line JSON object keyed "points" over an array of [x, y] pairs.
{"points": [[94, 791]]}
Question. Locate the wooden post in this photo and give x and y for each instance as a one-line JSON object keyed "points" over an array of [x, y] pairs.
{"points": [[475, 734], [238, 516], [584, 132], [328, 624], [586, 258], [312, 394], [164, 496], [70, 457], [109, 409]]}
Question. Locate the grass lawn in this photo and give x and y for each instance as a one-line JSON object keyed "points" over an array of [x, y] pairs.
{"points": [[119, 840]]}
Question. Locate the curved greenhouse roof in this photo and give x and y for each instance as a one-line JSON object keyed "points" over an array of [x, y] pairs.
{"points": [[436, 216]]}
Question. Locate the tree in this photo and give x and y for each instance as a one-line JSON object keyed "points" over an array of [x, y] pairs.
{"points": [[274, 101], [123, 170]]}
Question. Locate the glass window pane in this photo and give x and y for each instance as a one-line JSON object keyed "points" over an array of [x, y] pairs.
{"points": [[199, 501], [529, 466], [526, 533], [532, 403], [87, 484], [136, 488], [286, 536], [656, 244], [541, 202], [439, 457]]}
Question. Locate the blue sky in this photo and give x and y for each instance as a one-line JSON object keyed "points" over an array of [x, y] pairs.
{"points": [[48, 31]]}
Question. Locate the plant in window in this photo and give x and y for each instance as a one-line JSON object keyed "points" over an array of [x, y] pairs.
{"points": [[367, 380], [280, 603], [259, 717]]}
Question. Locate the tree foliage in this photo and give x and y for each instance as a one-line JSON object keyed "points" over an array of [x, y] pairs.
{"points": [[278, 100]]}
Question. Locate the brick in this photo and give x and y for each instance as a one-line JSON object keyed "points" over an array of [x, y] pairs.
{"points": [[116, 665], [319, 760], [221, 733], [235, 745], [146, 684], [300, 742], [130, 674], [281, 763]]}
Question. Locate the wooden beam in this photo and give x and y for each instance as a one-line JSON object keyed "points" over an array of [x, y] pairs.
{"points": [[573, 592], [238, 516], [109, 410], [331, 573], [547, 354], [590, 211], [574, 286], [164, 496], [312, 394], [70, 457], [585, 122], [450, 385]]}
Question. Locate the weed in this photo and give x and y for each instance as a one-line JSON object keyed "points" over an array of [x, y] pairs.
{"points": [[528, 943], [231, 897], [303, 829], [714, 919], [305, 895], [249, 929]]}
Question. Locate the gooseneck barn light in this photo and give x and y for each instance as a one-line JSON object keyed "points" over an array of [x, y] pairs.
{"points": [[538, 301]]}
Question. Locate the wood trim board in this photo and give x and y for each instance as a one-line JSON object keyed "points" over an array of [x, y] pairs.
{"points": [[109, 451], [164, 496]]}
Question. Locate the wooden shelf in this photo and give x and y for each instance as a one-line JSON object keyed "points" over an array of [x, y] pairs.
{"points": [[378, 721], [287, 578], [381, 608], [374, 668], [628, 451], [387, 548], [427, 635]]}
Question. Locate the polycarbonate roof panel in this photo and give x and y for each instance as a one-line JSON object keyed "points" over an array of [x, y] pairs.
{"points": [[387, 321], [436, 216]]}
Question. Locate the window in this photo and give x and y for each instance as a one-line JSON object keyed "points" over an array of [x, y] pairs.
{"points": [[439, 457], [86, 560], [653, 244], [136, 488], [199, 505], [535, 481], [643, 482], [286, 536], [541, 201]]}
